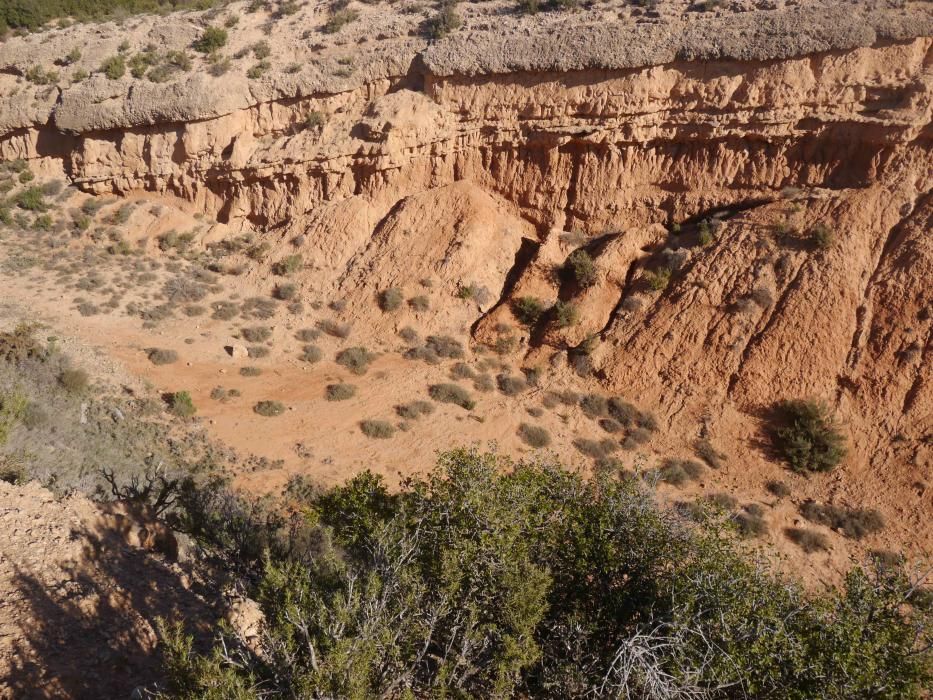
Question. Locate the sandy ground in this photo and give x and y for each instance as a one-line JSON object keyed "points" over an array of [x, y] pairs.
{"points": [[321, 440]]}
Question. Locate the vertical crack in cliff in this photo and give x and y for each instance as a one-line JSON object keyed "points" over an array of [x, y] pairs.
{"points": [[571, 191], [776, 310], [865, 311], [524, 257], [911, 396]]}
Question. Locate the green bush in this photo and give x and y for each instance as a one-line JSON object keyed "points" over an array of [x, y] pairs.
{"points": [[339, 19], [534, 435], [211, 39], [496, 579], [391, 299], [254, 73], [379, 429], [339, 392], [854, 523], [706, 233], [181, 405], [40, 76], [658, 280], [256, 334], [31, 199], [452, 393], [808, 438], [445, 346], [158, 356], [414, 410], [13, 407], [529, 310], [314, 120], [32, 14], [311, 354], [269, 409], [580, 268], [114, 67], [356, 359], [43, 222], [288, 265], [565, 314]]}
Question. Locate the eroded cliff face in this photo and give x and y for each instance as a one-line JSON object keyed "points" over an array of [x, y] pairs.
{"points": [[427, 169], [584, 150]]}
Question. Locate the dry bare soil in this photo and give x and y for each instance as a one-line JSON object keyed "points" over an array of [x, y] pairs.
{"points": [[751, 187]]}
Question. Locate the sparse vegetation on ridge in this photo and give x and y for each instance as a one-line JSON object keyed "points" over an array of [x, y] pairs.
{"points": [[35, 13]]}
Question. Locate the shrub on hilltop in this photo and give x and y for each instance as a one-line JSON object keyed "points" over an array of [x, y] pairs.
{"points": [[494, 579]]}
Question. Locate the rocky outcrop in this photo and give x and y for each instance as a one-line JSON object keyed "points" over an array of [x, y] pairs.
{"points": [[83, 589]]}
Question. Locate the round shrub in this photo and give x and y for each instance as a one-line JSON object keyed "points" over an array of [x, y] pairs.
{"points": [[356, 359], [533, 435], [529, 310], [159, 356], [511, 385], [379, 429], [307, 335], [74, 381], [391, 299], [565, 314], [414, 410], [809, 439], [778, 488], [311, 354], [256, 334], [211, 39], [269, 409], [445, 346], [181, 405], [594, 405], [580, 268], [339, 392], [452, 393]]}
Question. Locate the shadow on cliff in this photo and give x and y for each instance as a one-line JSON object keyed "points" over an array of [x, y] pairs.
{"points": [[94, 635]]}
